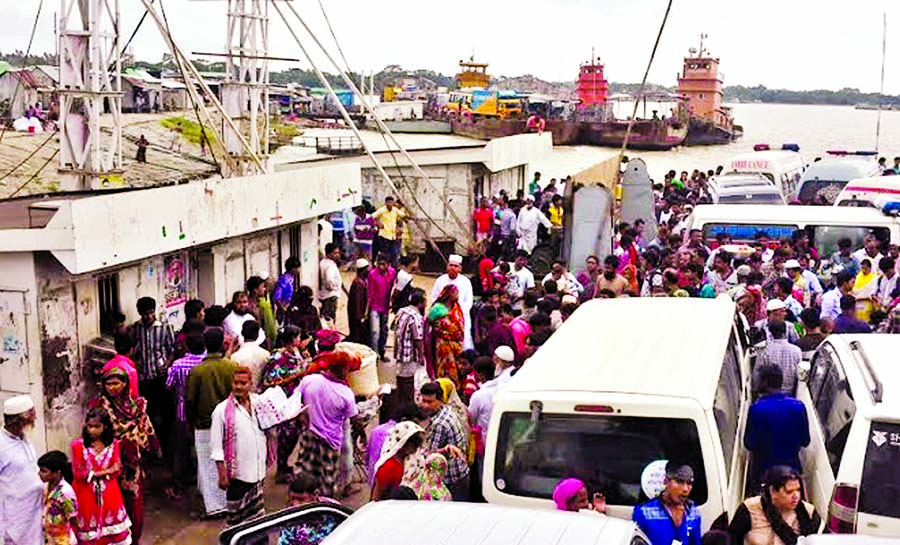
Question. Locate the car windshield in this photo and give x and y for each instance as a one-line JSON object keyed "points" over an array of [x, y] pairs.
{"points": [[608, 453], [879, 489], [820, 191], [741, 233], [751, 198]]}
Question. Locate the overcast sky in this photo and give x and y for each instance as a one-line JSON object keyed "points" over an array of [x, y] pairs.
{"points": [[795, 44]]}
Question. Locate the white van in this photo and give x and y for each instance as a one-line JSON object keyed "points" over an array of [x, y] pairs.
{"points": [[852, 465], [824, 180], [426, 522], [621, 387], [825, 225], [734, 188], [782, 167], [870, 192]]}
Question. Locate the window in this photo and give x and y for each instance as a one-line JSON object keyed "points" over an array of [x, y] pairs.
{"points": [[833, 403], [609, 453], [826, 237], [879, 489], [746, 232], [751, 198], [294, 240], [108, 300], [820, 191], [727, 405]]}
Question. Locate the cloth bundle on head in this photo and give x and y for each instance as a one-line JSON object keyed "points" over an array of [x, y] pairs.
{"points": [[327, 360], [565, 491], [327, 338], [17, 405], [397, 437]]}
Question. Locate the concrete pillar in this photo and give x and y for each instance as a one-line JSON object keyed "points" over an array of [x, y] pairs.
{"points": [[309, 254]]}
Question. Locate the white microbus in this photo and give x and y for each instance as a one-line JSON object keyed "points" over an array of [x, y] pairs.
{"points": [[623, 386]]}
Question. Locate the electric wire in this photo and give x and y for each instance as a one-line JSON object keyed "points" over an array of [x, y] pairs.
{"points": [[30, 155], [33, 176]]}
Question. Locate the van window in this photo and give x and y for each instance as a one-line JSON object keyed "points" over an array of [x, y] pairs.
{"points": [[609, 453], [727, 405], [879, 489], [746, 232], [825, 237], [751, 198], [833, 401], [820, 191]]}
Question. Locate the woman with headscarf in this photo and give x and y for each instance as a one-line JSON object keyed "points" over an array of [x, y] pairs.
{"points": [[572, 495], [776, 517], [135, 434], [751, 303], [285, 368], [404, 440], [302, 313], [865, 289], [447, 323]]}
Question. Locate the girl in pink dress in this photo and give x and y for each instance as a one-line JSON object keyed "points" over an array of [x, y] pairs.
{"points": [[96, 465]]}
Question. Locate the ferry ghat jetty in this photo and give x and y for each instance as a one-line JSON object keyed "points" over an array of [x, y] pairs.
{"points": [[222, 320]]}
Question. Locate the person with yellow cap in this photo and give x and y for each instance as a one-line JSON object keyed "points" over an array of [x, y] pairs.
{"points": [[21, 489]]}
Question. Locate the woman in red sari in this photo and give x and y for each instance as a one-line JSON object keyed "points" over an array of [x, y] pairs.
{"points": [[135, 435], [446, 320]]}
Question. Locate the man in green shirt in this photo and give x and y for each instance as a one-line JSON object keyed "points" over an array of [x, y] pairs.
{"points": [[535, 184], [208, 385]]}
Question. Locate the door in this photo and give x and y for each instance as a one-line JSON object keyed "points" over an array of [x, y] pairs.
{"points": [[15, 372], [204, 276], [306, 524]]}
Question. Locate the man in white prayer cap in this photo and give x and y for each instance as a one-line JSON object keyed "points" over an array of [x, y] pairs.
{"points": [[21, 489], [466, 297]]}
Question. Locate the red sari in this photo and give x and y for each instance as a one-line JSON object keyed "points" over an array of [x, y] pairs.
{"points": [[102, 519], [447, 324]]}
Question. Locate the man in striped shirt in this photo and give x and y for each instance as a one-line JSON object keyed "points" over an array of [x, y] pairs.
{"points": [[176, 382], [154, 344]]}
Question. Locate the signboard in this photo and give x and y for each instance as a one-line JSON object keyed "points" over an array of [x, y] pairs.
{"points": [[175, 278]]}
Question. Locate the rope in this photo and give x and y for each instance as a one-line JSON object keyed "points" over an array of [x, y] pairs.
{"points": [[33, 176], [637, 99], [24, 62], [30, 155], [203, 136], [390, 151]]}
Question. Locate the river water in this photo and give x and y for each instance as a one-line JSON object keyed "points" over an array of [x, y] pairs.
{"points": [[815, 129]]}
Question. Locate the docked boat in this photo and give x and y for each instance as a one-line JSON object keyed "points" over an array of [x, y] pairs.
{"points": [[700, 85], [604, 119], [565, 133]]}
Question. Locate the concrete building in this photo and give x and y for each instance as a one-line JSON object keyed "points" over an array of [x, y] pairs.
{"points": [[68, 261], [459, 171]]}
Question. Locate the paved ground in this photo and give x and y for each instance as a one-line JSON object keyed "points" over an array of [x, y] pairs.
{"points": [[174, 522]]}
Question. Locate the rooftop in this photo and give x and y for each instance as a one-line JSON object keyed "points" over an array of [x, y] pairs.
{"points": [[634, 345]]}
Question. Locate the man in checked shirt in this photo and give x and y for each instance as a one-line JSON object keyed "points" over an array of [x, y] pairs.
{"points": [[446, 430]]}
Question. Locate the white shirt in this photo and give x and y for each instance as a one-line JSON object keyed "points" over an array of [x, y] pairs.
{"points": [[253, 356], [831, 304], [466, 299], [861, 254], [249, 442], [566, 283], [330, 281], [520, 281], [234, 322], [885, 288], [403, 279], [527, 227], [482, 402], [21, 492]]}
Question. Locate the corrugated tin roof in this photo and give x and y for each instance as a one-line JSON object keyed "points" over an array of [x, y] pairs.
{"points": [[24, 76]]}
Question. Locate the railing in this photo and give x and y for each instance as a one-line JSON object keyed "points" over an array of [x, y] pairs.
{"points": [[334, 145]]}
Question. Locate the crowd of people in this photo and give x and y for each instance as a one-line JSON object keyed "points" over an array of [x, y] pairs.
{"points": [[453, 348]]}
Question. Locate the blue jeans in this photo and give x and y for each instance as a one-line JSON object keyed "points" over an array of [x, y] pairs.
{"points": [[389, 247], [378, 323]]}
